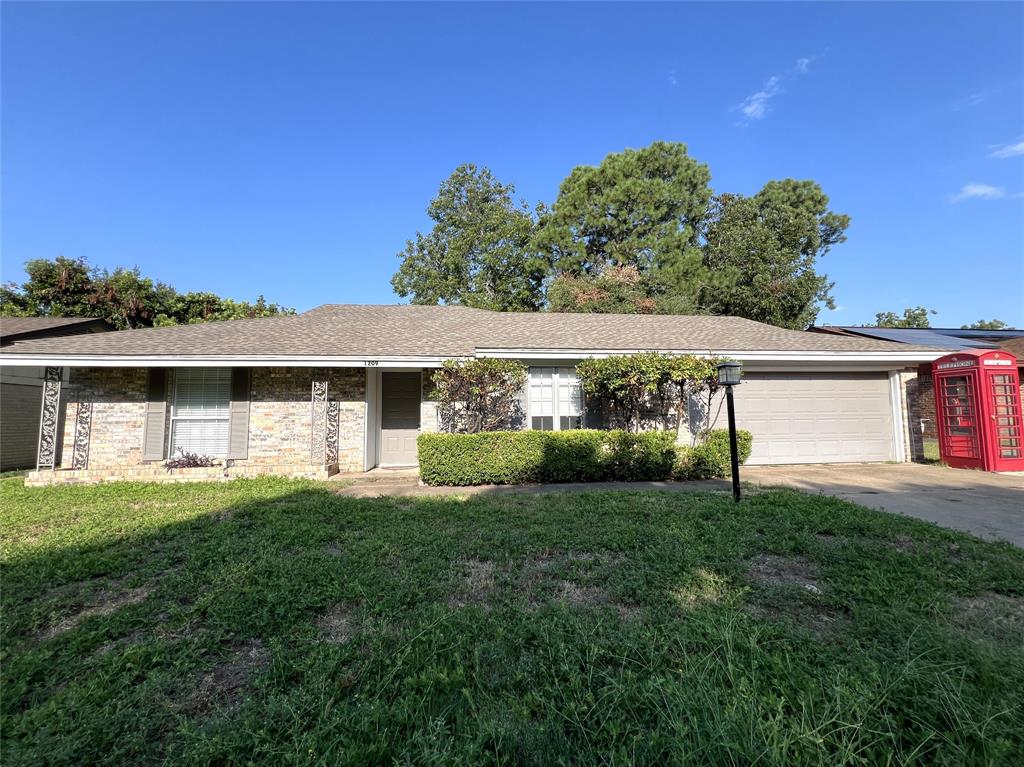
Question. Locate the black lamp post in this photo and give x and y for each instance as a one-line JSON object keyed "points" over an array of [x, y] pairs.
{"points": [[729, 376]]}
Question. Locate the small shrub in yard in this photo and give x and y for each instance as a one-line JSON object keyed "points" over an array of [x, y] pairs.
{"points": [[711, 459], [189, 461], [510, 457]]}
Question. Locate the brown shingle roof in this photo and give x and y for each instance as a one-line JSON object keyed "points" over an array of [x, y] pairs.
{"points": [[343, 330], [1015, 346], [12, 328]]}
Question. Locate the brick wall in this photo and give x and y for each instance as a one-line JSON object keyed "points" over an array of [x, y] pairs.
{"points": [[919, 395], [118, 397], [428, 407], [280, 416]]}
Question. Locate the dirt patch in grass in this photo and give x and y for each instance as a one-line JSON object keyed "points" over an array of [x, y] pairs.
{"points": [[334, 550], [31, 533], [476, 585], [773, 570], [993, 615], [830, 540], [102, 602], [538, 567], [705, 587], [136, 637], [578, 595], [337, 624], [904, 544], [222, 687], [820, 620]]}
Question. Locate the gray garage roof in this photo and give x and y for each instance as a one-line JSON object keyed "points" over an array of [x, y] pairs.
{"points": [[352, 330]]}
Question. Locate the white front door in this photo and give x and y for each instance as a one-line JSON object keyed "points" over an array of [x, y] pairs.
{"points": [[399, 418]]}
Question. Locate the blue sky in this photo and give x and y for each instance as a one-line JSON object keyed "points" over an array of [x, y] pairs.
{"points": [[291, 149]]}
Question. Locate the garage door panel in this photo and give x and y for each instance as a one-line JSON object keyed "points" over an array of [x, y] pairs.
{"points": [[815, 418]]}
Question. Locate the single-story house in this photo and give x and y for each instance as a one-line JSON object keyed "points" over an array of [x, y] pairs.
{"points": [[921, 392], [347, 387], [21, 388]]}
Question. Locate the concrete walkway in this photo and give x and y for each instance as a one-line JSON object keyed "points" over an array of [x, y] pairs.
{"points": [[990, 506], [406, 486]]}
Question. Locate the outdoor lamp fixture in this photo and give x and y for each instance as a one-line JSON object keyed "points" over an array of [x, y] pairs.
{"points": [[729, 376]]}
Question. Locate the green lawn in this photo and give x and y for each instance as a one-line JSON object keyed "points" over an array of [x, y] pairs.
{"points": [[274, 622]]}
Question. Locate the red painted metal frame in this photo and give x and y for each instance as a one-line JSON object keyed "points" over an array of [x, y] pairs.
{"points": [[987, 416]]}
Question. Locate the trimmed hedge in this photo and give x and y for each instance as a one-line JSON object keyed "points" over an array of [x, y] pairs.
{"points": [[580, 455], [514, 457], [711, 458]]}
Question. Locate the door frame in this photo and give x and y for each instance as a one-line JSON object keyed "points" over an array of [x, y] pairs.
{"points": [[373, 419]]}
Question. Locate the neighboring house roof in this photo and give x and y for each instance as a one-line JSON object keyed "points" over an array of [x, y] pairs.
{"points": [[938, 338], [1015, 346], [23, 328], [339, 331]]}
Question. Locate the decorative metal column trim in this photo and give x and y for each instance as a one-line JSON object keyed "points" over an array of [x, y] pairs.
{"points": [[83, 435], [318, 436], [46, 456], [333, 413]]}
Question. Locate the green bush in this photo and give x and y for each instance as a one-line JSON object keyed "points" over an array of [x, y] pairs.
{"points": [[711, 459], [718, 440], [511, 457]]}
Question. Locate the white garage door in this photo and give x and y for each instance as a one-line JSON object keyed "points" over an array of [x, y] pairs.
{"points": [[816, 417]]}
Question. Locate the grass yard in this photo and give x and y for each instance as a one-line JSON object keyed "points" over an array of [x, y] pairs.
{"points": [[273, 622]]}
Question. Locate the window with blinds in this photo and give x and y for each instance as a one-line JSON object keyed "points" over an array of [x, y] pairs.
{"points": [[200, 411], [556, 399]]}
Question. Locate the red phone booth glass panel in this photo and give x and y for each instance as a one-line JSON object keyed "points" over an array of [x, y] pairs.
{"points": [[978, 404]]}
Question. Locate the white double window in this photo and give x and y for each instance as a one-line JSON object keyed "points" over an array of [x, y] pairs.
{"points": [[556, 399], [200, 411]]}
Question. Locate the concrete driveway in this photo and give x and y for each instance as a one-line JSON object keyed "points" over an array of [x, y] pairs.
{"points": [[990, 506]]}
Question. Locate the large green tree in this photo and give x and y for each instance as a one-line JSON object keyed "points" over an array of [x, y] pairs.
{"points": [[616, 290], [478, 252], [762, 253], [638, 233], [987, 325], [65, 287], [641, 208], [913, 317]]}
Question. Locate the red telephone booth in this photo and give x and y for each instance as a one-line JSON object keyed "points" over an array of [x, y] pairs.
{"points": [[978, 405]]}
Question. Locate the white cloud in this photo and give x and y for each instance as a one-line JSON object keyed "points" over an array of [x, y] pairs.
{"points": [[971, 101], [672, 79], [756, 106], [975, 191], [1010, 150]]}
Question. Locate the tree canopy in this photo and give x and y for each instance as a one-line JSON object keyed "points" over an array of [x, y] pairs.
{"points": [[763, 252], [66, 287], [913, 317], [478, 252], [640, 208], [987, 325], [613, 290], [638, 233]]}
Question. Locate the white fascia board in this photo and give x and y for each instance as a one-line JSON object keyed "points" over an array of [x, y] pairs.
{"points": [[769, 356], [211, 360]]}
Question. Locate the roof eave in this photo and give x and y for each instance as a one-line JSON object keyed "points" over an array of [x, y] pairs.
{"points": [[772, 355], [221, 360]]}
